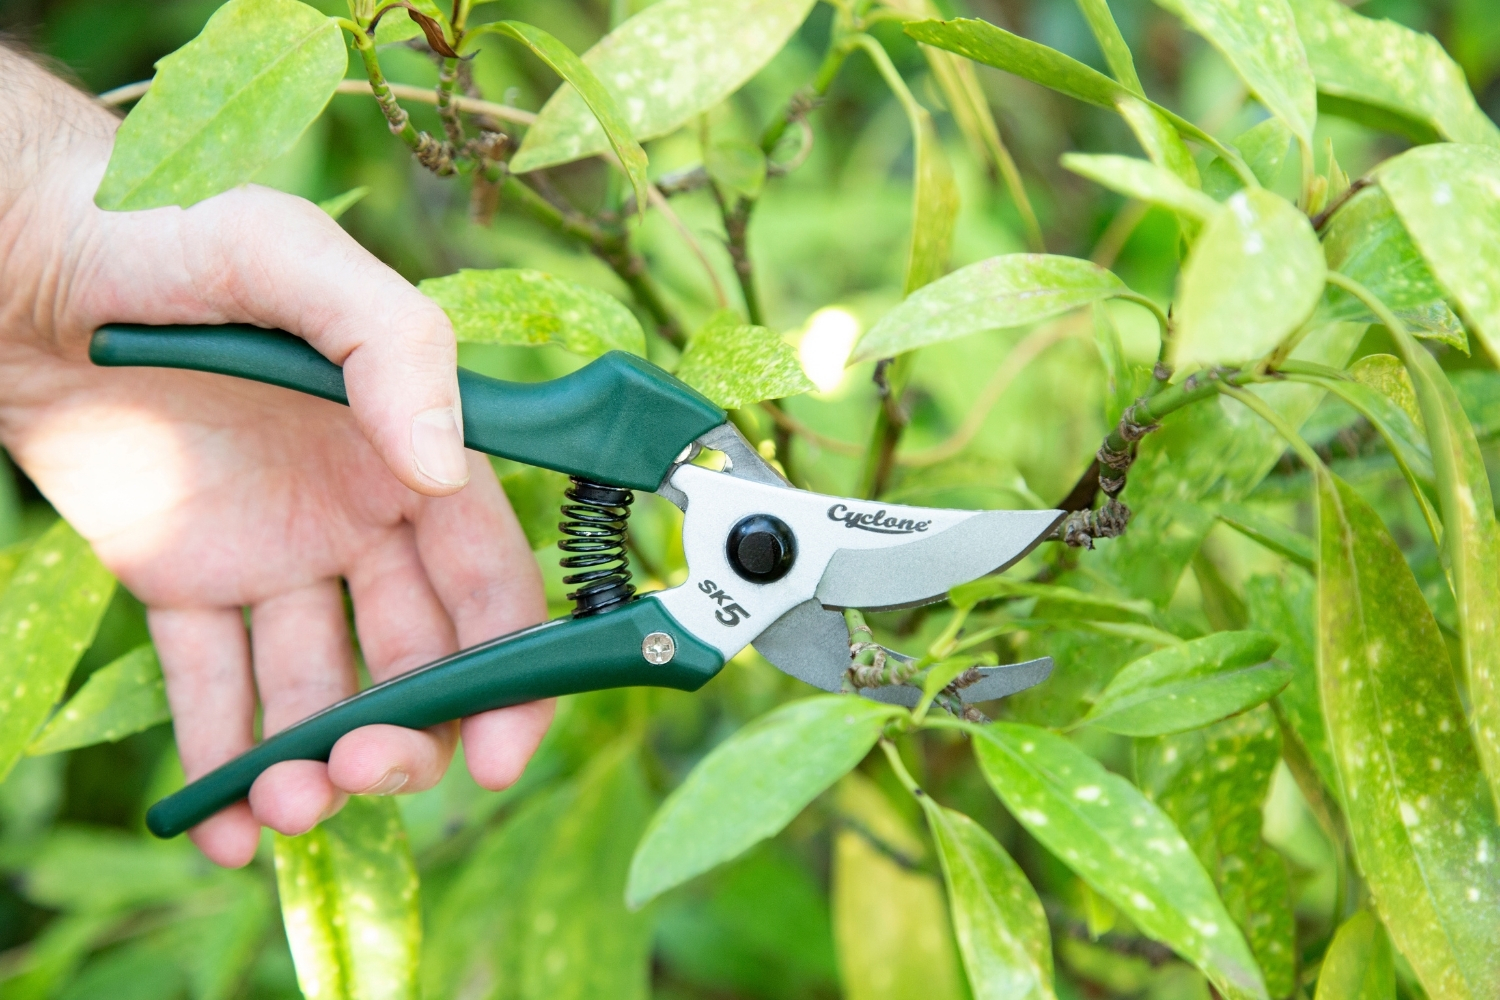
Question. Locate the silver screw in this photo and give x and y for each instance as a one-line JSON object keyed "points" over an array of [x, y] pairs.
{"points": [[658, 648]]}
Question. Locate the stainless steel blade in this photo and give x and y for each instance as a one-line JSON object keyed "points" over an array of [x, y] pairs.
{"points": [[809, 642], [917, 571]]}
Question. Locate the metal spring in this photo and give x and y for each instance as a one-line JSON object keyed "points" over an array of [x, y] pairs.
{"points": [[595, 525]]}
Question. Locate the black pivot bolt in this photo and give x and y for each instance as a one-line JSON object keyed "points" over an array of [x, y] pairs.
{"points": [[761, 548]]}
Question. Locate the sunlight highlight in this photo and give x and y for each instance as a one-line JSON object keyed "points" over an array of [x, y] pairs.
{"points": [[826, 344]]}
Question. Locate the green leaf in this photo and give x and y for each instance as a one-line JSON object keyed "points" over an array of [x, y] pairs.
{"points": [[890, 925], [1255, 274], [1104, 829], [738, 168], [1260, 41], [1421, 819], [1124, 382], [579, 941], [983, 42], [1388, 376], [224, 105], [1358, 964], [752, 785], [1384, 74], [1111, 42], [1471, 544], [1213, 783], [48, 616], [1144, 181], [1270, 533], [96, 870], [1013, 290], [1184, 687], [1264, 147], [999, 921], [966, 595], [349, 901], [1448, 197], [535, 495], [530, 308], [339, 204], [736, 364], [1366, 241], [665, 66], [1159, 138], [1285, 606], [583, 86], [117, 700]]}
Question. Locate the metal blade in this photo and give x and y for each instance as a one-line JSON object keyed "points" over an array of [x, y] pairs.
{"points": [[907, 573], [997, 682], [809, 642]]}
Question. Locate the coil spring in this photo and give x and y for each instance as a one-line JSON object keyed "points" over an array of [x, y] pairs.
{"points": [[595, 525]]}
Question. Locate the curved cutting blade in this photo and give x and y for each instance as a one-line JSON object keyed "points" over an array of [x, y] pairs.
{"points": [[909, 571], [809, 642]]}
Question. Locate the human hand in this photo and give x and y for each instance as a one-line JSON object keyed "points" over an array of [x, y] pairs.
{"points": [[206, 495]]}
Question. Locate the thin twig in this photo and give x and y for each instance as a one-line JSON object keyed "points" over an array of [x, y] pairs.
{"points": [[1321, 219], [407, 92], [1118, 233], [660, 203], [1025, 352]]}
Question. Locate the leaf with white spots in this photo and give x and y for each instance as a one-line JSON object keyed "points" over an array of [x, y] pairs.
{"points": [[119, 699], [1255, 274], [736, 364], [1213, 782], [1448, 197], [1471, 543], [1002, 292], [1419, 813], [578, 941], [664, 67], [752, 785], [1259, 39], [1122, 845], [1190, 685], [1264, 147], [530, 308], [349, 901], [1388, 76], [1366, 241], [998, 920], [48, 616]]}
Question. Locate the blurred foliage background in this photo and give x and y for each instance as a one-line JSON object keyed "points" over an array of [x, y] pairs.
{"points": [[119, 915]]}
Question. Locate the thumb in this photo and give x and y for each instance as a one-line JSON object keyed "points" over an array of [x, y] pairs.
{"points": [[253, 255]]}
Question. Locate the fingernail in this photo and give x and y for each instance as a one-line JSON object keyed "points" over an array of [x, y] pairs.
{"points": [[438, 446], [393, 781]]}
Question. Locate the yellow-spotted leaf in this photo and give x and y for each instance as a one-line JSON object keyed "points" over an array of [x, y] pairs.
{"points": [[999, 921], [1388, 76], [48, 616], [1260, 41], [530, 308], [1114, 838], [224, 105], [1255, 274], [736, 364], [119, 699], [1419, 812], [664, 66], [1213, 783], [1448, 197], [1014, 290], [349, 901], [752, 785]]}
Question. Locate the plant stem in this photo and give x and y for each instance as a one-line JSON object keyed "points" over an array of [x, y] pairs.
{"points": [[899, 766], [395, 115], [890, 420], [1263, 410], [453, 124]]}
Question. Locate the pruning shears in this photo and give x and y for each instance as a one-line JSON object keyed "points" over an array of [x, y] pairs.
{"points": [[768, 564]]}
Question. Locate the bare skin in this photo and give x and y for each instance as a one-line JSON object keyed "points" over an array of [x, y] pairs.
{"points": [[207, 495]]}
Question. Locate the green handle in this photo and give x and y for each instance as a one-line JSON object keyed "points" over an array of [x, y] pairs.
{"points": [[562, 657], [618, 420]]}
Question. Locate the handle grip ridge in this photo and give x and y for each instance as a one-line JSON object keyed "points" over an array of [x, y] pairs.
{"points": [[564, 656], [619, 419]]}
